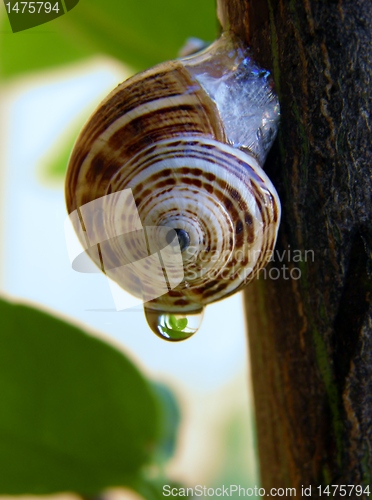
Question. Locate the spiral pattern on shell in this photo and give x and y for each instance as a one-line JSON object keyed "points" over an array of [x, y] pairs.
{"points": [[162, 134]]}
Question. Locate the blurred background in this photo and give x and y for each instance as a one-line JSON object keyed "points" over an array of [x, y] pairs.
{"points": [[52, 78]]}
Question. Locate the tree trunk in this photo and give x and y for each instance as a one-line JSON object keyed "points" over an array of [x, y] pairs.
{"points": [[309, 313]]}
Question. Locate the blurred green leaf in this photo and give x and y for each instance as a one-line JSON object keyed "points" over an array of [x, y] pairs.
{"points": [[37, 48], [138, 33], [152, 488], [56, 166], [70, 4], [75, 414], [169, 422]]}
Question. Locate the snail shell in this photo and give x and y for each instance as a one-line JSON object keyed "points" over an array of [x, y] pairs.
{"points": [[188, 137]]}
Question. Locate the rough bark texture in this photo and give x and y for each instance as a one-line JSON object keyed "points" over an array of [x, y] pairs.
{"points": [[311, 338]]}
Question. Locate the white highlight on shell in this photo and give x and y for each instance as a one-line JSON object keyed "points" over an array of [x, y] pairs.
{"points": [[172, 208], [127, 118], [88, 233]]}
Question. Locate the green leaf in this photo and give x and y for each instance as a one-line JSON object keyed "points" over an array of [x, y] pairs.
{"points": [[57, 168], [38, 48], [75, 414], [70, 4], [139, 33], [54, 166], [177, 324], [152, 488], [169, 422]]}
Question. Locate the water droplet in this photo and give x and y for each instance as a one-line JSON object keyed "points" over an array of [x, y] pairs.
{"points": [[174, 327]]}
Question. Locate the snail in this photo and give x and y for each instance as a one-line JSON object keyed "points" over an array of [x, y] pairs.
{"points": [[187, 139]]}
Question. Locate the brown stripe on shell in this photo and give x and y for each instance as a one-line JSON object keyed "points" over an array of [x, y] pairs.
{"points": [[186, 148], [230, 197], [136, 158], [164, 81], [183, 151], [154, 126]]}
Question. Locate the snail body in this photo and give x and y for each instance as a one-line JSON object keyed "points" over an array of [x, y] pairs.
{"points": [[188, 138]]}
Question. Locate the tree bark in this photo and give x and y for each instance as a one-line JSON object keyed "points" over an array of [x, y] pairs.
{"points": [[309, 313]]}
